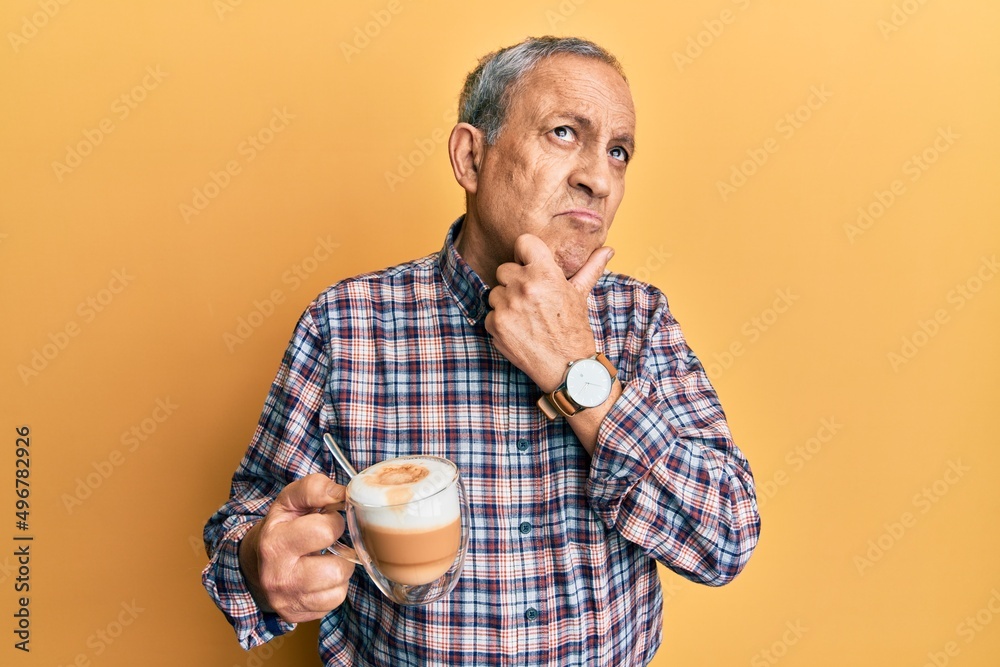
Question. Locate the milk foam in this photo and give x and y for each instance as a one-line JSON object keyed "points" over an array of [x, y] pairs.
{"points": [[429, 502]]}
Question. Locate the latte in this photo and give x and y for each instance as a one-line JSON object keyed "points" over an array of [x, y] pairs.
{"points": [[408, 510]]}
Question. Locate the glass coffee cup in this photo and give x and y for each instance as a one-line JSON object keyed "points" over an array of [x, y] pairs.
{"points": [[408, 519]]}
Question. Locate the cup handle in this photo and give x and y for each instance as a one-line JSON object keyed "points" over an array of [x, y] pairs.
{"points": [[341, 550], [338, 548]]}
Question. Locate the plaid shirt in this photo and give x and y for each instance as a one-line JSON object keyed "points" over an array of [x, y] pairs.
{"points": [[562, 561]]}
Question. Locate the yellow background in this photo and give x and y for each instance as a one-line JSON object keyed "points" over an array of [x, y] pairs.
{"points": [[855, 565]]}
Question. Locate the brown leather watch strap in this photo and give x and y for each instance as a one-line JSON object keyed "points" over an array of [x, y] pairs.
{"points": [[607, 364], [546, 407], [557, 403]]}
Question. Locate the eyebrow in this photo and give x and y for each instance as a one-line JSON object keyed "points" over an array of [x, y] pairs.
{"points": [[626, 139]]}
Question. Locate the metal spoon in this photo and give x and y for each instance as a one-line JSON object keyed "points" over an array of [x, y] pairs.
{"points": [[339, 456]]}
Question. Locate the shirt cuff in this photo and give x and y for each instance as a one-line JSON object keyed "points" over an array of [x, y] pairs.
{"points": [[223, 579], [632, 437]]}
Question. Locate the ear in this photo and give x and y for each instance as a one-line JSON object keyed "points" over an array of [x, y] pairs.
{"points": [[466, 149]]}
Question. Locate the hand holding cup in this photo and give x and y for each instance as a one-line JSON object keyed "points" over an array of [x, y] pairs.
{"points": [[281, 555]]}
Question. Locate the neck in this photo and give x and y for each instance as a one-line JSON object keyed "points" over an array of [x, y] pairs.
{"points": [[474, 247]]}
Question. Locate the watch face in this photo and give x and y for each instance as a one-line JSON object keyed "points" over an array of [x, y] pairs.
{"points": [[588, 383]]}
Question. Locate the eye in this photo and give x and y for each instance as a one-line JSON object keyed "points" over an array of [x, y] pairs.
{"points": [[563, 132], [619, 153]]}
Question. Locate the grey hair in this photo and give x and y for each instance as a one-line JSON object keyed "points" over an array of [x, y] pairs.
{"points": [[489, 88]]}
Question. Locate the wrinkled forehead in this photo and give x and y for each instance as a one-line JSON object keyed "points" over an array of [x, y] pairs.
{"points": [[575, 86]]}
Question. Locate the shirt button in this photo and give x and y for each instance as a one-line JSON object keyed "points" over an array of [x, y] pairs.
{"points": [[525, 528], [522, 444], [531, 614]]}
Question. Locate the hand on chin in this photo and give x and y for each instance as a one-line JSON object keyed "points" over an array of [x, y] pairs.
{"points": [[571, 259]]}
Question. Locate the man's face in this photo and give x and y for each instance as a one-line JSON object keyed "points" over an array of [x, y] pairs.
{"points": [[557, 170]]}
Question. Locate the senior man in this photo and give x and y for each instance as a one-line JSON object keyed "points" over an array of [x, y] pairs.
{"points": [[464, 354]]}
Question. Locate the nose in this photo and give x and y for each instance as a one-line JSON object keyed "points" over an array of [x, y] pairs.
{"points": [[592, 174]]}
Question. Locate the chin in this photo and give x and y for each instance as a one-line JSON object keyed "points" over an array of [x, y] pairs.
{"points": [[571, 262]]}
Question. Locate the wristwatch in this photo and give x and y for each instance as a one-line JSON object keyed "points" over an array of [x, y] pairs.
{"points": [[587, 384]]}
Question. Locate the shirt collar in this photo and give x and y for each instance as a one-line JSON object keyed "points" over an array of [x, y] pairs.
{"points": [[466, 287]]}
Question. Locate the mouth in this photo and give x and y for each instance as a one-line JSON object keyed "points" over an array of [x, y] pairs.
{"points": [[584, 216]]}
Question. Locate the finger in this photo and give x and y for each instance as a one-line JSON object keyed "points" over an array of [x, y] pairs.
{"points": [[307, 534], [324, 571], [506, 272], [529, 249], [333, 507], [324, 580], [318, 585], [593, 269], [489, 322], [495, 296], [306, 495]]}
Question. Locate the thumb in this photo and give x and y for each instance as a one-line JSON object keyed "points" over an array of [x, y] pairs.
{"points": [[593, 269], [529, 249], [306, 495]]}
